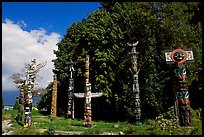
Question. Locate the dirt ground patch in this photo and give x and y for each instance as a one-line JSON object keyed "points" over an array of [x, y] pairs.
{"points": [[6, 127]]}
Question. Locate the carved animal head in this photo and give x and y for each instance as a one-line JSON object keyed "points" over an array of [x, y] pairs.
{"points": [[178, 56], [183, 97], [180, 73]]}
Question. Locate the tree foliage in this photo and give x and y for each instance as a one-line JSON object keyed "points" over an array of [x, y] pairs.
{"points": [[104, 36], [46, 98], [16, 104]]}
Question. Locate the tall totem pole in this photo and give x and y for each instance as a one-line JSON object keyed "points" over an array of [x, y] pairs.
{"points": [[136, 91], [54, 97], [178, 59], [31, 72], [87, 95], [70, 109], [23, 89]]}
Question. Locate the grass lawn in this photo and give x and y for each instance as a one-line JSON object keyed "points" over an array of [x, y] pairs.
{"points": [[47, 125]]}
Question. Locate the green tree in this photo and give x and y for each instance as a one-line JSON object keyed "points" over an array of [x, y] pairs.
{"points": [[46, 99], [104, 36], [16, 104]]}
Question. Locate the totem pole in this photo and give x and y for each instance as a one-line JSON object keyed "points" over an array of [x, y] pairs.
{"points": [[31, 72], [136, 90], [54, 97], [178, 58], [23, 89], [70, 109], [87, 95]]}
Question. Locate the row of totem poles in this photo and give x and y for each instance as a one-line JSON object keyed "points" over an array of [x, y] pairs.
{"points": [[178, 58], [87, 95]]}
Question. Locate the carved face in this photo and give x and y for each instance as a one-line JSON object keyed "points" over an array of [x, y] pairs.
{"points": [[180, 73], [88, 87], [179, 56], [183, 97]]}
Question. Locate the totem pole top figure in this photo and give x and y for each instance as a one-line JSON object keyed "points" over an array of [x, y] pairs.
{"points": [[133, 52], [32, 68], [33, 61], [134, 56], [71, 67], [179, 56]]}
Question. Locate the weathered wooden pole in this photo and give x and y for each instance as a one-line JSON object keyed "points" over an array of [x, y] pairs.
{"points": [[70, 109], [87, 95], [135, 89], [87, 102], [23, 89], [31, 72], [54, 97], [178, 58]]}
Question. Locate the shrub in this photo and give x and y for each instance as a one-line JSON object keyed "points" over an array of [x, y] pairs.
{"points": [[129, 130], [196, 122], [51, 128], [16, 105], [168, 126]]}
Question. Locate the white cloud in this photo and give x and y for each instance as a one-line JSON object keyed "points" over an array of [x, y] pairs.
{"points": [[20, 47], [22, 23]]}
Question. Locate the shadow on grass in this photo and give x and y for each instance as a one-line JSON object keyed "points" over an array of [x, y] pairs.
{"points": [[19, 121], [78, 124], [45, 113], [21, 124]]}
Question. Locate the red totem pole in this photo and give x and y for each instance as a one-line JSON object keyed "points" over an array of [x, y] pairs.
{"points": [[87, 95], [179, 58]]}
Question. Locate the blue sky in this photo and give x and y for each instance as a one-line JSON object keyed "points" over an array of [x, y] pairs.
{"points": [[53, 16], [31, 30]]}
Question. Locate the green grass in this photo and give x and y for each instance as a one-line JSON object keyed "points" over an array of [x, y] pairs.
{"points": [[46, 125]]}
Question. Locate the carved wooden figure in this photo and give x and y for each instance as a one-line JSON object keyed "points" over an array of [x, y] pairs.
{"points": [[136, 91], [54, 96], [23, 89], [31, 72], [87, 95], [70, 109], [178, 58]]}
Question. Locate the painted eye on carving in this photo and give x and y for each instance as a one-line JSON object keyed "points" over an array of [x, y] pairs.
{"points": [[182, 55], [186, 95], [176, 55], [184, 71], [179, 95], [177, 71]]}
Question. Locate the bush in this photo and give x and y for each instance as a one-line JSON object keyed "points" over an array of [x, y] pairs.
{"points": [[196, 122], [152, 127], [168, 126], [16, 105], [129, 130], [51, 128]]}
